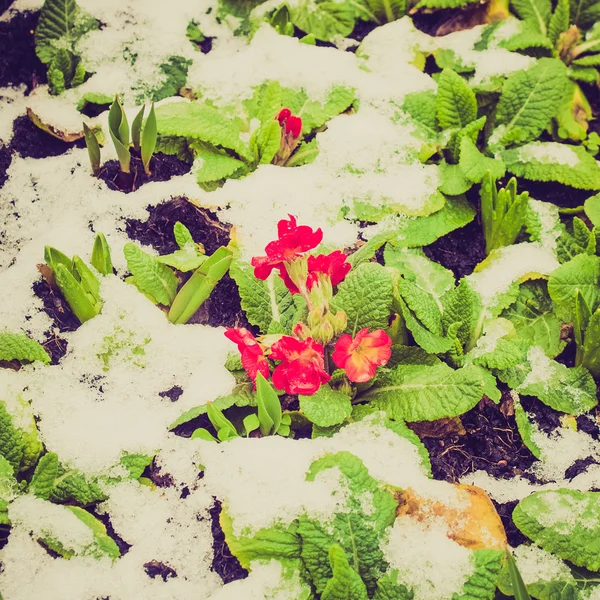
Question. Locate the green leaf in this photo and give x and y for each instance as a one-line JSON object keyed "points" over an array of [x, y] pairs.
{"points": [[148, 141], [345, 583], [426, 393], [201, 122], [463, 305], [422, 107], [151, 276], [592, 210], [475, 165], [72, 486], [304, 154], [456, 104], [535, 12], [582, 274], [136, 128], [44, 476], [211, 164], [104, 545], [175, 71], [326, 407], [529, 100], [325, 19], [18, 346], [422, 231], [82, 304], [591, 345], [264, 302], [101, 259], [356, 531], [366, 297], [442, 4], [386, 11], [136, 463], [525, 426], [519, 590], [93, 148], [60, 25], [563, 522], [276, 542], [551, 161], [534, 319], [453, 182], [559, 22], [315, 114], [389, 588], [269, 406], [242, 395], [12, 446], [482, 583], [267, 140]]}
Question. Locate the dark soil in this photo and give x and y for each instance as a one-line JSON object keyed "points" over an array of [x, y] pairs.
{"points": [[550, 191], [62, 317], [29, 141], [162, 167], [172, 394], [154, 569], [514, 535], [5, 160], [154, 473], [491, 443], [224, 564], [223, 307], [18, 61], [186, 429], [460, 250]]}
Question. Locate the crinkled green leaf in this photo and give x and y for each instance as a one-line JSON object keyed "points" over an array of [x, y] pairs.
{"points": [[356, 531], [426, 393], [366, 297], [44, 475], [421, 106], [453, 180], [559, 22], [345, 583], [535, 12], [264, 302], [266, 141], [529, 101], [18, 346], [103, 545], [582, 173], [474, 164], [201, 122], [463, 305], [315, 114], [456, 104], [563, 522], [534, 319], [174, 71], [211, 164], [325, 19], [422, 231], [136, 463], [326, 407], [481, 585], [582, 274], [151, 276], [390, 588], [592, 210], [73, 486]]}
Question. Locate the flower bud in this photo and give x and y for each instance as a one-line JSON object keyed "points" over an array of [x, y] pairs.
{"points": [[283, 115], [293, 126]]}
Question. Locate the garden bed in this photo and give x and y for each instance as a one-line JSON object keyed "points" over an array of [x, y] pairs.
{"points": [[322, 321]]}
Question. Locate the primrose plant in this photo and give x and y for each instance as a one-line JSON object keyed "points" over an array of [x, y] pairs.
{"points": [[157, 277], [143, 138]]}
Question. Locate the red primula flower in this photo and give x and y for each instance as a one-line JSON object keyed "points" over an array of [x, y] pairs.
{"points": [[293, 126], [253, 354], [361, 356], [334, 265], [283, 115], [293, 241], [302, 369]]}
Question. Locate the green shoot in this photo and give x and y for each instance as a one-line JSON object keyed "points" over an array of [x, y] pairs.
{"points": [[119, 132], [502, 212], [101, 259], [93, 148], [519, 590], [77, 283], [269, 407], [149, 137], [200, 285], [251, 423], [223, 426], [136, 128]]}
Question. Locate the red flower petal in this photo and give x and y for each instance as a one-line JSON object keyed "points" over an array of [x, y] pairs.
{"points": [[293, 125], [334, 265], [361, 357], [284, 113]]}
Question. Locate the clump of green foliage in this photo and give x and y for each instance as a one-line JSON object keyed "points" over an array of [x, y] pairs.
{"points": [[61, 25], [76, 281], [156, 277]]}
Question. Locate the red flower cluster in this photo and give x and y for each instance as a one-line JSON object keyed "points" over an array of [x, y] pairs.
{"points": [[293, 241], [293, 125], [253, 354], [361, 356], [333, 265], [302, 368]]}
